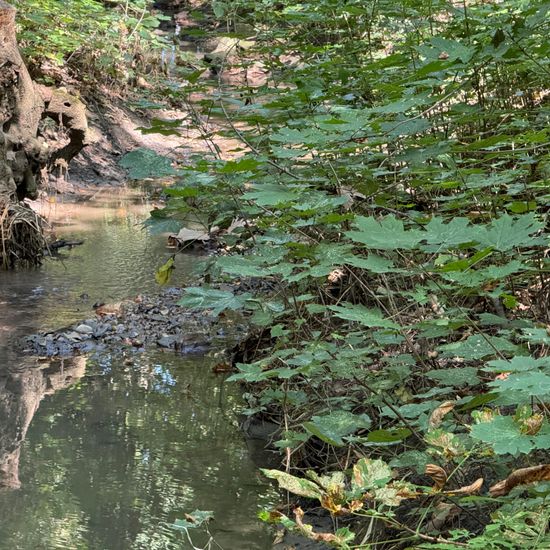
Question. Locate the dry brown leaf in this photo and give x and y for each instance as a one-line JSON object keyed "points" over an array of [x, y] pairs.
{"points": [[438, 414], [533, 424], [521, 477], [185, 235], [279, 537], [328, 503], [220, 368], [336, 275], [235, 224], [111, 309], [468, 489], [307, 530], [438, 474]]}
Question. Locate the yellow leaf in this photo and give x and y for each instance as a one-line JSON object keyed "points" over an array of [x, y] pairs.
{"points": [[164, 272]]}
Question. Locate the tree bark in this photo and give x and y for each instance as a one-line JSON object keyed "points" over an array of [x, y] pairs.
{"points": [[25, 156]]}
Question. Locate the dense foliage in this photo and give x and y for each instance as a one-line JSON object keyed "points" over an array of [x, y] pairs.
{"points": [[393, 190], [99, 41], [388, 212]]}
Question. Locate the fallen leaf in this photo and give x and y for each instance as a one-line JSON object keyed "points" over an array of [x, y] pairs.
{"points": [[533, 424], [520, 477], [235, 224], [335, 275], [438, 414], [438, 474], [222, 367], [110, 309], [468, 489], [307, 530], [187, 235]]}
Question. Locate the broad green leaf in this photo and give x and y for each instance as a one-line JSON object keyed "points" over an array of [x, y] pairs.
{"points": [[210, 298], [270, 194], [361, 314], [504, 435], [508, 232], [295, 485], [370, 474], [517, 364], [243, 165], [373, 263], [388, 436], [144, 163], [448, 235], [455, 376], [531, 384], [332, 427], [477, 346], [387, 234]]}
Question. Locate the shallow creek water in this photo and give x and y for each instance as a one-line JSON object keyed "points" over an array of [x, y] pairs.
{"points": [[106, 453]]}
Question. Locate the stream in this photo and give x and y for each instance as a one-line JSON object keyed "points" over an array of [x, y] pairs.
{"points": [[106, 452]]}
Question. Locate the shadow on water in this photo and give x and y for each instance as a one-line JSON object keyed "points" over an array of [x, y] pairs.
{"points": [[116, 453], [106, 453]]}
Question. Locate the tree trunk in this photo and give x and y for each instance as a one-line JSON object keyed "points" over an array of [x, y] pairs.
{"points": [[25, 156]]}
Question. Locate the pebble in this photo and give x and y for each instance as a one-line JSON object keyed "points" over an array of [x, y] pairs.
{"points": [[84, 329], [149, 321]]}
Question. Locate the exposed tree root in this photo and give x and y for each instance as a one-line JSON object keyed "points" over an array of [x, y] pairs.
{"points": [[21, 236]]}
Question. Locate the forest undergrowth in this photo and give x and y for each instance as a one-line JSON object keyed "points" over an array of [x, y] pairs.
{"points": [[392, 193]]}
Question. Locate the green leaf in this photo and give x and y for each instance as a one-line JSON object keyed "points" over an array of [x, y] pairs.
{"points": [[477, 346], [504, 435], [210, 298], [507, 232], [270, 194], [518, 363], [332, 427], [388, 436], [365, 316], [448, 235], [294, 485], [243, 165], [478, 401], [387, 234], [455, 376], [162, 127], [532, 384], [144, 163], [370, 474]]}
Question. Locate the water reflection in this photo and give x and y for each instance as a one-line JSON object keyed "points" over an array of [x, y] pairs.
{"points": [[112, 458], [21, 391]]}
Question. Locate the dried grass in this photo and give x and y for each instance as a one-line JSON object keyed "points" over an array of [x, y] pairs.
{"points": [[21, 235]]}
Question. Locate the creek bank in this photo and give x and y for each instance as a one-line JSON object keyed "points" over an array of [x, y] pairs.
{"points": [[145, 322]]}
